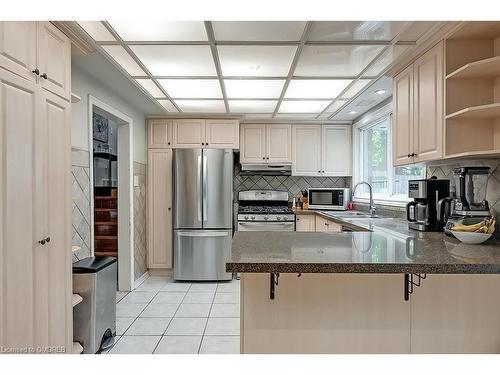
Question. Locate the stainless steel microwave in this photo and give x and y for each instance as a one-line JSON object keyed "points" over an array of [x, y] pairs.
{"points": [[329, 198]]}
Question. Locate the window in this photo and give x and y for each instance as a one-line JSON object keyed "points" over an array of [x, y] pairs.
{"points": [[373, 162]]}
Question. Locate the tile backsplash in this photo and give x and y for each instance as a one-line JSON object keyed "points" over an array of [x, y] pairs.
{"points": [[493, 188], [292, 184]]}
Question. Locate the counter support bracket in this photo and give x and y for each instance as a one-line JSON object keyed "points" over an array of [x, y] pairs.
{"points": [[412, 280], [273, 282]]}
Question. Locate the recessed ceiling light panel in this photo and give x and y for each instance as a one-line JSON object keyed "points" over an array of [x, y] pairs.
{"points": [[123, 59], [151, 87], [259, 61], [97, 31], [163, 60], [249, 106], [316, 88], [335, 61], [192, 88], [254, 88], [167, 104], [151, 30], [303, 106], [197, 106], [259, 30], [355, 88], [355, 30]]}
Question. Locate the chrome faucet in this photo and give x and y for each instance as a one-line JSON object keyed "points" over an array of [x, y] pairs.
{"points": [[372, 207]]}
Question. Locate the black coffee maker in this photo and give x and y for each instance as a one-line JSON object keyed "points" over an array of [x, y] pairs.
{"points": [[421, 213]]}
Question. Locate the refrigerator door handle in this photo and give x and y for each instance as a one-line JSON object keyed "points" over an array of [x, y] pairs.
{"points": [[205, 188], [198, 183], [203, 234]]}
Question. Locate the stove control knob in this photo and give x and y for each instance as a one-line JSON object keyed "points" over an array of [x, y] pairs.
{"points": [[266, 217], [253, 217], [278, 218], [284, 218], [246, 217]]}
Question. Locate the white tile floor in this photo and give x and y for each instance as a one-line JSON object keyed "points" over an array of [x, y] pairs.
{"points": [[165, 317]]}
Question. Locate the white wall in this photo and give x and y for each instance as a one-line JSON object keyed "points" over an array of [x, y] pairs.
{"points": [[82, 85]]}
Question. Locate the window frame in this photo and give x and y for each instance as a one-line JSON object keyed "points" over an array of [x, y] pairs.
{"points": [[372, 119]]}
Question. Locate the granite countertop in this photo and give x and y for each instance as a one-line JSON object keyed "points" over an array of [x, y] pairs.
{"points": [[386, 246]]}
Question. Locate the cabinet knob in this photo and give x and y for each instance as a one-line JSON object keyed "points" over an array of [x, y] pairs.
{"points": [[206, 144], [42, 242], [44, 75], [36, 71], [319, 171], [267, 158], [409, 155], [168, 143], [263, 158], [169, 208], [47, 240], [298, 219], [322, 171], [413, 154]]}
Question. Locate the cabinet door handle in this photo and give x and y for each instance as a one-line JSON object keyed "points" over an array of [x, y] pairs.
{"points": [[36, 71], [44, 75]]}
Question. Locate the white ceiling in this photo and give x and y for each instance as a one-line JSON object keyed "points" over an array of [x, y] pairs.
{"points": [[279, 69]]}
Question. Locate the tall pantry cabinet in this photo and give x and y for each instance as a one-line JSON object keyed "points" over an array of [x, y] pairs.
{"points": [[35, 194]]}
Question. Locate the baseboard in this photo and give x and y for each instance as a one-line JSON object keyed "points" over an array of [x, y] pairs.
{"points": [[160, 272], [141, 279]]}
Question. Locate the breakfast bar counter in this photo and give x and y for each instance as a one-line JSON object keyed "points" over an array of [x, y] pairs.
{"points": [[384, 290]]}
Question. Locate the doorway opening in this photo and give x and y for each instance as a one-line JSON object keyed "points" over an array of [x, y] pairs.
{"points": [[110, 138]]}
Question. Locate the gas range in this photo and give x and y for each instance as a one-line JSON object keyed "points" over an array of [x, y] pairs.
{"points": [[264, 210]]}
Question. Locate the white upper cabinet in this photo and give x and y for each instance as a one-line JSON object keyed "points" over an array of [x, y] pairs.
{"points": [[54, 60], [253, 143], [197, 133], [189, 133], [402, 130], [263, 144], [159, 133], [39, 52], [222, 134], [18, 48], [336, 150], [279, 143], [418, 109], [306, 150], [321, 150]]}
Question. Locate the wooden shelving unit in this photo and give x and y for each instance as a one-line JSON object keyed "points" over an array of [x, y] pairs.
{"points": [[487, 68], [472, 120], [480, 112]]}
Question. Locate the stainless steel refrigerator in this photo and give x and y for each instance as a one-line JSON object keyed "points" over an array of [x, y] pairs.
{"points": [[203, 196]]}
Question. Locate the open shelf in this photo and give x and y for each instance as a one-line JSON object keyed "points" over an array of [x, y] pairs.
{"points": [[76, 299], [487, 68], [77, 348], [487, 111]]}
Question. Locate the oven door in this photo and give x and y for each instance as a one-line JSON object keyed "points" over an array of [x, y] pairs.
{"points": [[266, 226]]}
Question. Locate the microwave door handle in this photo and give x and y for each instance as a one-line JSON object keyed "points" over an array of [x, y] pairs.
{"points": [[205, 189]]}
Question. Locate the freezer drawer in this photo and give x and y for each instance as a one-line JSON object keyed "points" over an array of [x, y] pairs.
{"points": [[202, 254]]}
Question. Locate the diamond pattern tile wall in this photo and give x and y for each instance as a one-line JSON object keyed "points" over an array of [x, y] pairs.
{"points": [[80, 188], [140, 264], [292, 184]]}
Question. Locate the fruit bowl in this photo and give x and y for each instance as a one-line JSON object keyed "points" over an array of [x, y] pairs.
{"points": [[471, 237]]}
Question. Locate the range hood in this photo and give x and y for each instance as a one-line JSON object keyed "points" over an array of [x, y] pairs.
{"points": [[266, 169]]}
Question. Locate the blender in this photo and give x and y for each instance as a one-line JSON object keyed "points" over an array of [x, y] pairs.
{"points": [[470, 205]]}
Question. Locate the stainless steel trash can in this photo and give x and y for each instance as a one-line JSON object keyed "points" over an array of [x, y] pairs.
{"points": [[94, 319]]}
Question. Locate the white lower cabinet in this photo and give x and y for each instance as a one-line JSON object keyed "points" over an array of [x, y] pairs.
{"points": [[305, 223], [321, 150], [35, 216]]}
